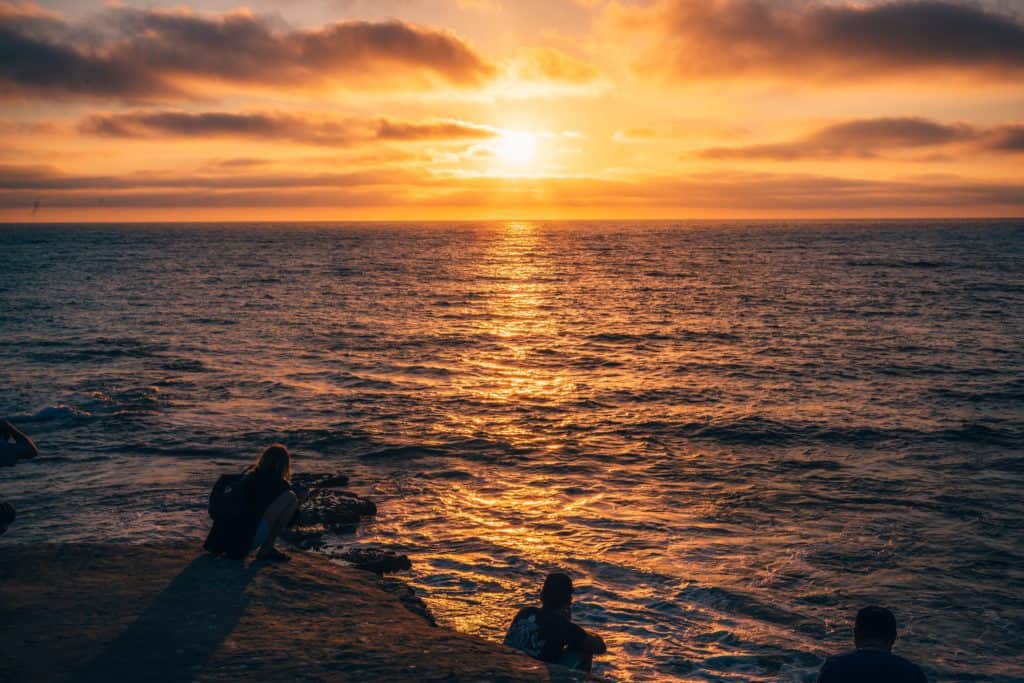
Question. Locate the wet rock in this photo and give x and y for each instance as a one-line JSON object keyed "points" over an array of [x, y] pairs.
{"points": [[376, 561], [407, 596], [307, 537], [311, 480], [7, 516], [335, 510], [325, 508]]}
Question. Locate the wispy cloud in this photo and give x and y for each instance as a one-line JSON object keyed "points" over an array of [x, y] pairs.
{"points": [[277, 127], [397, 188], [546, 64], [869, 138]]}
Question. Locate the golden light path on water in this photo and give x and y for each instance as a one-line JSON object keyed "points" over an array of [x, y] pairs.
{"points": [[530, 518]]}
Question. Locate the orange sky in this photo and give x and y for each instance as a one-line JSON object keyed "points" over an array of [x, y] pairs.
{"points": [[466, 109]]}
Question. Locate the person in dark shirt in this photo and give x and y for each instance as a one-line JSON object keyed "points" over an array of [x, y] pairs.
{"points": [[270, 504], [547, 632], [874, 633], [14, 446]]}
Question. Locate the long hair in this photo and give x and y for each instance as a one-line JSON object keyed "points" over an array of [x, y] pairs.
{"points": [[276, 461]]}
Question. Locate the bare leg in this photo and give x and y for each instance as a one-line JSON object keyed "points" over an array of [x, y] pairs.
{"points": [[276, 518]]}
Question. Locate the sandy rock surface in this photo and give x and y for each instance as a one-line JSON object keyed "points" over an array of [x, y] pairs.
{"points": [[157, 613]]}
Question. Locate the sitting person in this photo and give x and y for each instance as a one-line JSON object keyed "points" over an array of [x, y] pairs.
{"points": [[14, 446], [268, 505], [873, 635], [547, 632]]}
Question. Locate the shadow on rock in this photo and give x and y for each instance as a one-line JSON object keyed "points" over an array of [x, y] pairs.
{"points": [[179, 631]]}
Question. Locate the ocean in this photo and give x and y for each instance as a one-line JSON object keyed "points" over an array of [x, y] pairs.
{"points": [[732, 435]]}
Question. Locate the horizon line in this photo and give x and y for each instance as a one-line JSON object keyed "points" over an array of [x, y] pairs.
{"points": [[841, 219]]}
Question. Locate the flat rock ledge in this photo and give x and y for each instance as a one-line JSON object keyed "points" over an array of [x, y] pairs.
{"points": [[171, 613]]}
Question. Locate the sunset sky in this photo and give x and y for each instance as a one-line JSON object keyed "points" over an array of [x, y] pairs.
{"points": [[468, 109]]}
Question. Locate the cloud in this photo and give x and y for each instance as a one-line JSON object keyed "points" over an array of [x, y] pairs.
{"points": [[241, 162], [26, 11], [276, 126], [479, 5], [437, 130], [1006, 139], [394, 188], [868, 138], [44, 177], [636, 134], [266, 126], [824, 41], [151, 54], [540, 64]]}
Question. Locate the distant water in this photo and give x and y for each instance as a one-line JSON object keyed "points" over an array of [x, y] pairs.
{"points": [[732, 435]]}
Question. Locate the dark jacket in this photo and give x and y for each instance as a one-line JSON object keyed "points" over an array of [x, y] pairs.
{"points": [[544, 634], [233, 537], [870, 666]]}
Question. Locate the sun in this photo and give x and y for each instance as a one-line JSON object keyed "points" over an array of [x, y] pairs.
{"points": [[516, 147]]}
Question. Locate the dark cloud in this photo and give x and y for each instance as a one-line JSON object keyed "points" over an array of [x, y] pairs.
{"points": [[31, 64], [728, 38], [1006, 139], [43, 177], [146, 54], [868, 138], [272, 127], [439, 130], [241, 162], [275, 127]]}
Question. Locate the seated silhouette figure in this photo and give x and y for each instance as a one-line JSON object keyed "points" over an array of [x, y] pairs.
{"points": [[269, 504], [547, 632], [874, 633], [14, 446]]}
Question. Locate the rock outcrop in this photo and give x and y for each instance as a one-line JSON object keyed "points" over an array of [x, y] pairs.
{"points": [[170, 613], [326, 509]]}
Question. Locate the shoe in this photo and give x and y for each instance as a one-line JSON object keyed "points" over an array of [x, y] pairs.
{"points": [[274, 555]]}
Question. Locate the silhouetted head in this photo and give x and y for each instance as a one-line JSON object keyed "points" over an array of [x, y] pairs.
{"points": [[557, 591], [275, 461], [875, 628]]}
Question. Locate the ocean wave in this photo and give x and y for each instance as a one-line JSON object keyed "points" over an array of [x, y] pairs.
{"points": [[730, 602], [628, 338], [405, 453], [53, 413], [896, 263], [759, 430], [184, 365]]}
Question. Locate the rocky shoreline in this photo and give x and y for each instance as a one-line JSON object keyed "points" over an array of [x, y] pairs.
{"points": [[327, 508], [94, 612], [172, 613]]}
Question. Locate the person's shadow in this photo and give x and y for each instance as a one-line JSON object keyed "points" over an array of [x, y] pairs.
{"points": [[175, 636]]}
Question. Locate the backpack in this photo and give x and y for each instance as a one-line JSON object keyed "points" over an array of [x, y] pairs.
{"points": [[226, 499]]}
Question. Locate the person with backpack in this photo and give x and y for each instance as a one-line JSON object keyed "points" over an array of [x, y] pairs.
{"points": [[250, 510]]}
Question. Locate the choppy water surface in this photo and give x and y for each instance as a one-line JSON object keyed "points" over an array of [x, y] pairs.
{"points": [[732, 435]]}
